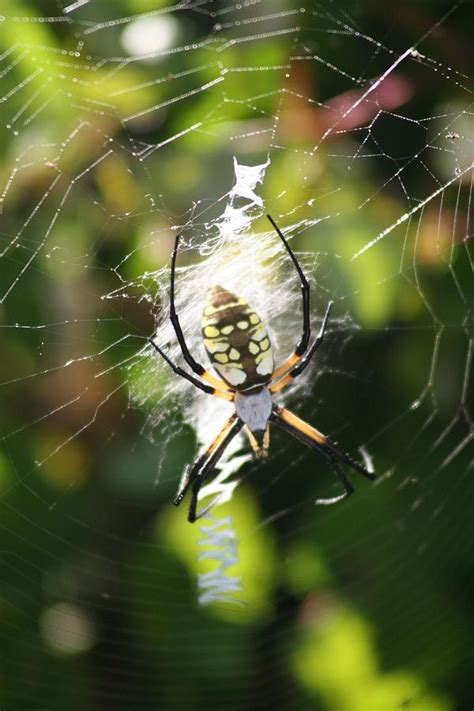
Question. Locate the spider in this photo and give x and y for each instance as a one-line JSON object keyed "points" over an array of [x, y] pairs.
{"points": [[239, 349]]}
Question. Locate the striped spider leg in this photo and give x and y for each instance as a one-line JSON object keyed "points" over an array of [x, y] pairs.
{"points": [[320, 443], [174, 318], [293, 366], [302, 346], [194, 476], [306, 335], [301, 362]]}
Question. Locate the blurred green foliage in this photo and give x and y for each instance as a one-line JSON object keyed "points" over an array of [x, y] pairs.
{"points": [[360, 607]]}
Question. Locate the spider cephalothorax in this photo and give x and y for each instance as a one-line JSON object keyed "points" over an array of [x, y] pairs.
{"points": [[239, 349]]}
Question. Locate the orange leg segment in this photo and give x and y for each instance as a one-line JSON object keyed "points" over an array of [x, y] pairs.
{"points": [[190, 472], [284, 367], [224, 395], [302, 426], [281, 384], [215, 382]]}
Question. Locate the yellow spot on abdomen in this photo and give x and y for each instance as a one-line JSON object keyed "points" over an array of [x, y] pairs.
{"points": [[265, 344], [211, 331], [259, 333], [254, 318], [264, 363], [226, 330], [242, 325], [221, 357], [253, 348], [234, 354]]}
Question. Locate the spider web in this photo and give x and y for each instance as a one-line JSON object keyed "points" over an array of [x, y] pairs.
{"points": [[124, 124]]}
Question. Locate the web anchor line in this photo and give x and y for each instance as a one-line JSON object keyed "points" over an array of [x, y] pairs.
{"points": [[75, 6], [409, 214]]}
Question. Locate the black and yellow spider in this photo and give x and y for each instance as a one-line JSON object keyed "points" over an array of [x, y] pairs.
{"points": [[239, 349]]}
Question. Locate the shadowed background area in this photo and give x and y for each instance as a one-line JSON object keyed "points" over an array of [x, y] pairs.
{"points": [[123, 123]]}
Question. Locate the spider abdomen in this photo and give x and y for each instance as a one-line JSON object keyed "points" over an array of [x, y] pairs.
{"points": [[236, 340]]}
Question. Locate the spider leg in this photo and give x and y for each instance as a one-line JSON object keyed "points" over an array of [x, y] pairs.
{"points": [[314, 439], [191, 472], [303, 362], [320, 449], [303, 344], [179, 371], [197, 474], [315, 435], [174, 318], [348, 488]]}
